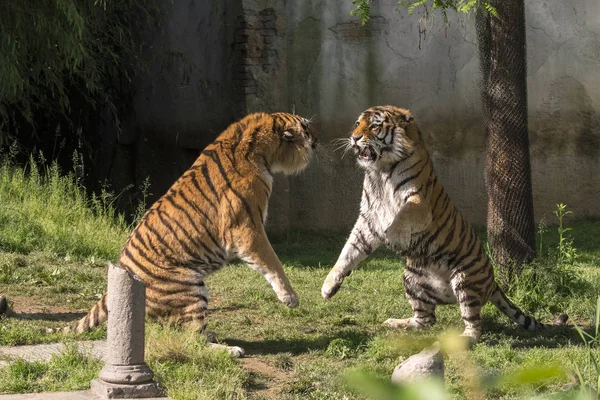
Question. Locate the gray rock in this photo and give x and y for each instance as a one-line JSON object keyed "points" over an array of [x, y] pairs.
{"points": [[426, 364]]}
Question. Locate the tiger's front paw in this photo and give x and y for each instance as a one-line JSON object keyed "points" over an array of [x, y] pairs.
{"points": [[332, 284], [290, 299], [396, 238]]}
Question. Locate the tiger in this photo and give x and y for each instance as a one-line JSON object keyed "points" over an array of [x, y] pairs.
{"points": [[215, 212], [405, 206]]}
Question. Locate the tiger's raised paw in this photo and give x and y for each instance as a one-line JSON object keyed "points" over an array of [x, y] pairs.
{"points": [[234, 351]]}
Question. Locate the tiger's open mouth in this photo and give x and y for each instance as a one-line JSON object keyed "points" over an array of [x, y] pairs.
{"points": [[367, 153]]}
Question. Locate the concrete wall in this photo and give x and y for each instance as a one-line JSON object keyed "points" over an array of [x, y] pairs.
{"points": [[334, 69], [218, 60], [186, 100]]}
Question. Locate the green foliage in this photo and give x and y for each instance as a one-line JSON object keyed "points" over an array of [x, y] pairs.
{"points": [[461, 6], [41, 209], [142, 205], [542, 229], [592, 367], [431, 389], [567, 253], [62, 59], [459, 361], [363, 9], [550, 281], [378, 388]]}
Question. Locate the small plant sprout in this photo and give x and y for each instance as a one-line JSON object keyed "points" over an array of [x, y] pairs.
{"points": [[542, 229], [567, 253]]}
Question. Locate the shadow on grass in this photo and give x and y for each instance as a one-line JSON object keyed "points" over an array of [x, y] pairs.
{"points": [[551, 336], [302, 249], [225, 309], [61, 316], [353, 339]]}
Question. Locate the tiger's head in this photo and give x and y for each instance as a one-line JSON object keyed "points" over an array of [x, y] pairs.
{"points": [[384, 135], [289, 143]]}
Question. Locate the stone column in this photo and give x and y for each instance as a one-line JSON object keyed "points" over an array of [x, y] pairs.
{"points": [[125, 375]]}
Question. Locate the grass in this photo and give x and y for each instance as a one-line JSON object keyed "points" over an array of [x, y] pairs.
{"points": [[62, 373], [43, 211], [55, 243]]}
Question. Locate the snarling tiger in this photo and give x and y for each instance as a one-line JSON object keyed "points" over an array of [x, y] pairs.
{"points": [[405, 206], [213, 213]]}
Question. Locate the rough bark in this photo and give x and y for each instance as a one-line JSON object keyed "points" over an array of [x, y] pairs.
{"points": [[510, 219]]}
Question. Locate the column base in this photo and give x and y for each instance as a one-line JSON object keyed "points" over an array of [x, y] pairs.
{"points": [[126, 374], [106, 390]]}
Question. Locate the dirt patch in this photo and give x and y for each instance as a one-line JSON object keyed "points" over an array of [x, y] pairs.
{"points": [[32, 307], [266, 380]]}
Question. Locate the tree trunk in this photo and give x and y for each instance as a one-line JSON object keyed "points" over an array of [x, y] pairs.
{"points": [[510, 222]]}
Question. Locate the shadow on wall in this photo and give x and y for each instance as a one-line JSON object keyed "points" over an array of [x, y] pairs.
{"points": [[187, 99], [565, 150]]}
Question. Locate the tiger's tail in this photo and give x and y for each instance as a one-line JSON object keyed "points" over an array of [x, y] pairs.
{"points": [[94, 318], [513, 312]]}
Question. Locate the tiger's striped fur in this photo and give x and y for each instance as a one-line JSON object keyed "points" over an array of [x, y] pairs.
{"points": [[405, 206], [213, 213]]}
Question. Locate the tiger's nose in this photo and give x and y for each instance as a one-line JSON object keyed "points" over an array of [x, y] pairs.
{"points": [[356, 138]]}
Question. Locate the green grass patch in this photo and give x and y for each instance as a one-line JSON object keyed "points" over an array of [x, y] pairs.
{"points": [[68, 371], [42, 210], [55, 242]]}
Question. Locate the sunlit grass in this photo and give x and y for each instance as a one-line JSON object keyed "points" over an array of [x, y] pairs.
{"points": [[55, 242]]}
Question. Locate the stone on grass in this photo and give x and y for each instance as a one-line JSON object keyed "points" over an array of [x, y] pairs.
{"points": [[428, 363]]}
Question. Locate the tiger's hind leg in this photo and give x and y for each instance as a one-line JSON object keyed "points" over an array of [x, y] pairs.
{"points": [[471, 298], [470, 309], [419, 297], [188, 308]]}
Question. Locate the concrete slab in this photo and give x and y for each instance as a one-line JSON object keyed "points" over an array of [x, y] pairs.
{"points": [[80, 395], [44, 352]]}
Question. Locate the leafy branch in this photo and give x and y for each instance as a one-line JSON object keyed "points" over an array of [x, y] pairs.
{"points": [[61, 59], [363, 7]]}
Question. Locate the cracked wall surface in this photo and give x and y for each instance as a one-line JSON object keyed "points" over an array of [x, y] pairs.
{"points": [[334, 69], [218, 60]]}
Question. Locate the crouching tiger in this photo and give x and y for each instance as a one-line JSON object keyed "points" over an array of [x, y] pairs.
{"points": [[213, 213], [405, 206]]}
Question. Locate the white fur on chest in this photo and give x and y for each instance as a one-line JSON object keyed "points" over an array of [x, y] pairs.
{"points": [[384, 202]]}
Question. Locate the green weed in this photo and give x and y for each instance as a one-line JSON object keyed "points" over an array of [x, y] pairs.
{"points": [[591, 369], [551, 282]]}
